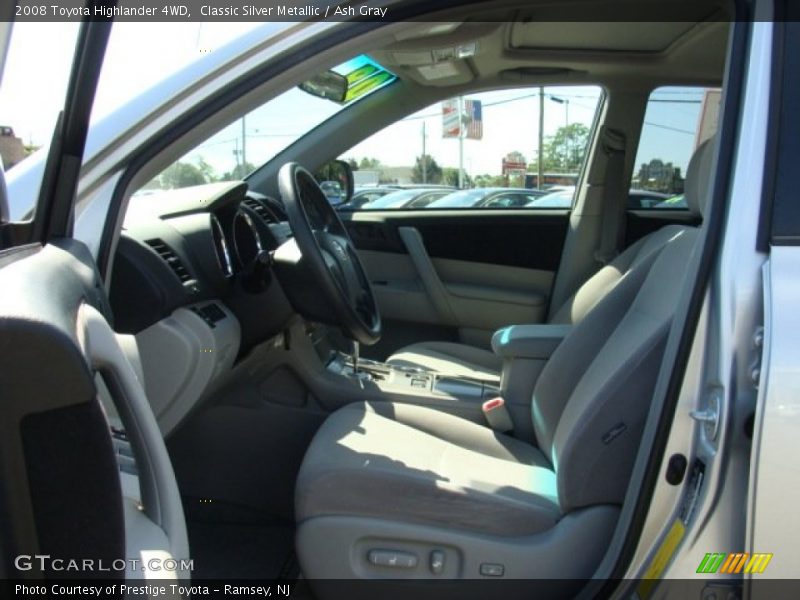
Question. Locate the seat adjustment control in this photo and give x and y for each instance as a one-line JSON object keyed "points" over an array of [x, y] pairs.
{"points": [[393, 559], [437, 562], [492, 570]]}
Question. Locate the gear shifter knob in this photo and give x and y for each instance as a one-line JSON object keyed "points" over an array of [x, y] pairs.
{"points": [[355, 352]]}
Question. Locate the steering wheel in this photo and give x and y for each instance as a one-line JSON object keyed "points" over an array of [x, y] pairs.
{"points": [[329, 253]]}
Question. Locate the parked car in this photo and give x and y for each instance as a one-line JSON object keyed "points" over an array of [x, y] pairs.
{"points": [[637, 199], [561, 198], [366, 195], [489, 197], [333, 192], [644, 199], [409, 198], [678, 201]]}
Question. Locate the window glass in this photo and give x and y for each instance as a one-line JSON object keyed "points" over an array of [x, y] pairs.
{"points": [[249, 142], [40, 61], [32, 95], [479, 151], [677, 121]]}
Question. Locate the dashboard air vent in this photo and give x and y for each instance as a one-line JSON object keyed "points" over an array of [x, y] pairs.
{"points": [[169, 256], [260, 209]]}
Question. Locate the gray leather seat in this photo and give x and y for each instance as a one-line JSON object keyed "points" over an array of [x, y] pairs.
{"points": [[391, 475], [478, 363]]}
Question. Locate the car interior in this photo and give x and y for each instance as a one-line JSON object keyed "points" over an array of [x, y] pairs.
{"points": [[279, 389]]}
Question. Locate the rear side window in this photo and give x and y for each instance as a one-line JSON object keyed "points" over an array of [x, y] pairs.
{"points": [[676, 122]]}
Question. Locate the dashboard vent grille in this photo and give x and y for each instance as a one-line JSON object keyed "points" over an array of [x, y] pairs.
{"points": [[260, 209], [172, 260]]}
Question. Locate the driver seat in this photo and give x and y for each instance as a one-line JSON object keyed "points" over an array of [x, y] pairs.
{"points": [[401, 491]]}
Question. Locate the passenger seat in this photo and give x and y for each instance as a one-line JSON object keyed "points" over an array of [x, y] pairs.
{"points": [[462, 360]]}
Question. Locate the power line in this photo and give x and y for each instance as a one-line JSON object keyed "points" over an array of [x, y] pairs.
{"points": [[506, 101], [660, 126], [515, 99]]}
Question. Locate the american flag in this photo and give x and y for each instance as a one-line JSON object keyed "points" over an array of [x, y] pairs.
{"points": [[471, 119]]}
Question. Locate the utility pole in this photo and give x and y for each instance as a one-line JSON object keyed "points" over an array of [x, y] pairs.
{"points": [[244, 146], [461, 123], [567, 136], [424, 157], [540, 169]]}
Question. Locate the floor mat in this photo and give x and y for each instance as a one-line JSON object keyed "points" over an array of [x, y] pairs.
{"points": [[242, 551]]}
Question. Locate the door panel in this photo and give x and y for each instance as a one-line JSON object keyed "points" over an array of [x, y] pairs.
{"points": [[56, 448], [467, 271], [80, 443]]}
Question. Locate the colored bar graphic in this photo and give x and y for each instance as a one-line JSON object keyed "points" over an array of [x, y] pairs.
{"points": [[734, 563], [758, 562], [711, 562]]}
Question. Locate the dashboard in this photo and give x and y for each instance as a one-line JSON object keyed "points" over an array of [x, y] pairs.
{"points": [[181, 247], [192, 283]]}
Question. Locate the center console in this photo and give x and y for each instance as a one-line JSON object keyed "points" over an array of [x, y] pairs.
{"points": [[412, 381], [524, 350]]}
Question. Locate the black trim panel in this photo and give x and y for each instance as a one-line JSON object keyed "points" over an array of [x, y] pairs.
{"points": [[785, 133], [640, 223], [529, 239]]}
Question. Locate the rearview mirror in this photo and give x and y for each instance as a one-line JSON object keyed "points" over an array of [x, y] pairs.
{"points": [[336, 181], [349, 81], [328, 85]]}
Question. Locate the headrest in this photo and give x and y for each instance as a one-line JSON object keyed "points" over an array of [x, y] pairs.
{"points": [[698, 177]]}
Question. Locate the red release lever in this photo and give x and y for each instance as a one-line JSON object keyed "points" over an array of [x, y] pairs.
{"points": [[493, 404], [496, 414]]}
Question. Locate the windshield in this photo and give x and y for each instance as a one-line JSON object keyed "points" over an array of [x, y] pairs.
{"points": [[247, 143]]}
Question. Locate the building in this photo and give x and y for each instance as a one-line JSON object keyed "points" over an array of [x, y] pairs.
{"points": [[398, 175], [12, 150], [659, 176]]}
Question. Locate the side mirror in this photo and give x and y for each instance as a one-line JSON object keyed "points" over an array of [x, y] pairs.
{"points": [[336, 181]]}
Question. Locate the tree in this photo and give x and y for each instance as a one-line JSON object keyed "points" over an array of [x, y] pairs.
{"points": [[565, 150], [432, 171], [180, 175], [208, 171], [240, 171], [185, 174], [369, 163], [450, 177], [487, 180]]}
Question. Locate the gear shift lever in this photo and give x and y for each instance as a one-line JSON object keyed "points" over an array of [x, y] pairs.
{"points": [[355, 353]]}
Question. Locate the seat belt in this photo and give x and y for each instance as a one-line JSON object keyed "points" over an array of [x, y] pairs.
{"points": [[614, 196]]}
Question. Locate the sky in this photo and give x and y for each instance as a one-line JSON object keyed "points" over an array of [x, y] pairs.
{"points": [[39, 60], [38, 65]]}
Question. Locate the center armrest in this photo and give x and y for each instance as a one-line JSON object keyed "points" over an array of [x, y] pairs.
{"points": [[528, 341]]}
